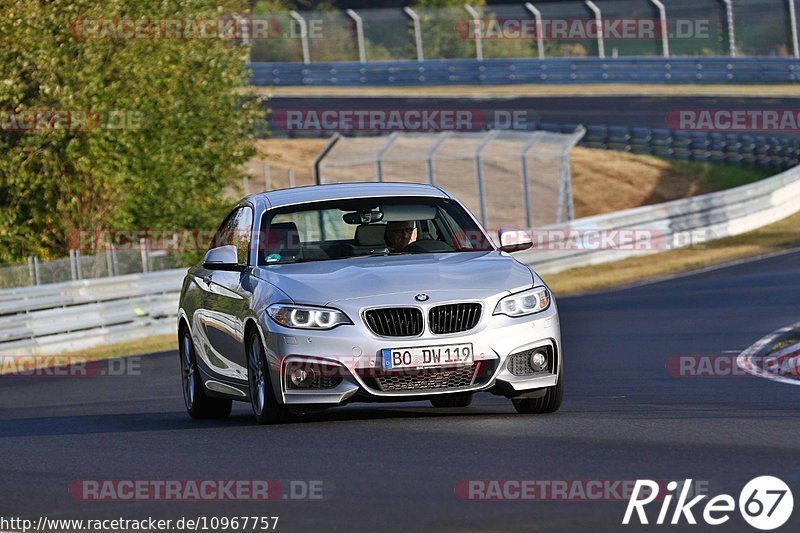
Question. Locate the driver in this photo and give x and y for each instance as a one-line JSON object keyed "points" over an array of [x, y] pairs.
{"points": [[400, 234]]}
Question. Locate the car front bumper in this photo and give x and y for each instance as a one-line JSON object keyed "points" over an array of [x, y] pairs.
{"points": [[352, 353]]}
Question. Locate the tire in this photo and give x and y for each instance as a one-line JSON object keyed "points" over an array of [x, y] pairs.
{"points": [[462, 399], [263, 399], [549, 403], [198, 404]]}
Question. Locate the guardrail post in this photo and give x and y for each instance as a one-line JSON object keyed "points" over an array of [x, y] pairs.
{"points": [[379, 158], [417, 31], [598, 18], [479, 173], [362, 51], [537, 17], [793, 21], [78, 270], [432, 153], [662, 15], [303, 35], [110, 260], [476, 21], [731, 31], [145, 258], [33, 269], [73, 271]]}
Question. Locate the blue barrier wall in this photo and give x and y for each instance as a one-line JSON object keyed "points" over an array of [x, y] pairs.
{"points": [[770, 151], [518, 71]]}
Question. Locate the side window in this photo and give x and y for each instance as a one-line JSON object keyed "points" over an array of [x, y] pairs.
{"points": [[236, 230]]}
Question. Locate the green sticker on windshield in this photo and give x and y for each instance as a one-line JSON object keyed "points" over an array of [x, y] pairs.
{"points": [[272, 258]]}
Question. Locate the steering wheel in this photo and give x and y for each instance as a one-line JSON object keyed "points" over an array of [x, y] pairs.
{"points": [[428, 246]]}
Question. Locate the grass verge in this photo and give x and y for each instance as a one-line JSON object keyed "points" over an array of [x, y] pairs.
{"points": [[780, 236]]}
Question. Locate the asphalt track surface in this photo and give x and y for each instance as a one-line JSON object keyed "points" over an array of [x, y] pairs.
{"points": [[647, 111], [394, 467]]}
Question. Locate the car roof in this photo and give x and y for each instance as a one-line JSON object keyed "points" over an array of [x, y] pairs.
{"points": [[343, 191]]}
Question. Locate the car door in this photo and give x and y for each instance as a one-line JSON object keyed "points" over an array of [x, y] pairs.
{"points": [[226, 302]]}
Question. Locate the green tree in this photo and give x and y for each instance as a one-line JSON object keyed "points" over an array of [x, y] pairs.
{"points": [[173, 126]]}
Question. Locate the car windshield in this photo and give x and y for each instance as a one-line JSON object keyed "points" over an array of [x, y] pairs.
{"points": [[345, 229]]}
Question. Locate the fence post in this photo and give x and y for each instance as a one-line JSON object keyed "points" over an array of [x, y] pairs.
{"points": [[362, 51], [793, 22], [303, 35], [479, 173], [245, 185], [432, 153], [535, 136], [662, 15], [320, 156], [476, 21], [267, 178], [565, 196], [145, 258], [598, 18], [379, 158], [537, 16], [731, 34], [417, 32], [292, 181]]}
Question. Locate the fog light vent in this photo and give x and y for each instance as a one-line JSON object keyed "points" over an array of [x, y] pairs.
{"points": [[531, 362]]}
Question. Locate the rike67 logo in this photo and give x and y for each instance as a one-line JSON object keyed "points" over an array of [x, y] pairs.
{"points": [[765, 503]]}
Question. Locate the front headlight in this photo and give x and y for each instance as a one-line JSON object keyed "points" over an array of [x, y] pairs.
{"points": [[523, 303], [306, 316]]}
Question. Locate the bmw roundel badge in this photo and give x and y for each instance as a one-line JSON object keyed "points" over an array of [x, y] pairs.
{"points": [[421, 297]]}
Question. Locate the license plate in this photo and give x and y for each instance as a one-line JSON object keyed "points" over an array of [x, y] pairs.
{"points": [[425, 356]]}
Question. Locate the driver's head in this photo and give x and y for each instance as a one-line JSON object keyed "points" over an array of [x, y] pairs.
{"points": [[400, 234]]}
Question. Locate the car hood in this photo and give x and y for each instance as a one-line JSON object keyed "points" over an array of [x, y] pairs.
{"points": [[325, 282]]}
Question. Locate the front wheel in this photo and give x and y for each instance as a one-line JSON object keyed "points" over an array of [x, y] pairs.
{"points": [[198, 403], [549, 403], [266, 408]]}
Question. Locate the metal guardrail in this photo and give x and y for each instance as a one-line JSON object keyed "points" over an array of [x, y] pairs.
{"points": [[71, 316], [715, 215], [532, 71]]}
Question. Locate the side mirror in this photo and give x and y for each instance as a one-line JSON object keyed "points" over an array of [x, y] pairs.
{"points": [[514, 240], [222, 258]]}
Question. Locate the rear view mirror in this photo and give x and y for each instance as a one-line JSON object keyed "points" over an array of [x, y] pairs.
{"points": [[367, 217], [514, 240], [222, 258]]}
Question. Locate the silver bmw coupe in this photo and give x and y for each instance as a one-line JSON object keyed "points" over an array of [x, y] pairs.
{"points": [[314, 297]]}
